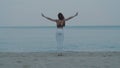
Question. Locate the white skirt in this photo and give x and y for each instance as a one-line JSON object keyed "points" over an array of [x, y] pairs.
{"points": [[59, 39]]}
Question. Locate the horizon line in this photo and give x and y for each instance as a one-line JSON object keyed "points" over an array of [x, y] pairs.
{"points": [[65, 26], [54, 26]]}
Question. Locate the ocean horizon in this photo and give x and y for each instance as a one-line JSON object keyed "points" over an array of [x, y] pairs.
{"points": [[55, 26]]}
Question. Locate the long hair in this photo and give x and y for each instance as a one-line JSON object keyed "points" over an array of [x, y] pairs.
{"points": [[60, 16]]}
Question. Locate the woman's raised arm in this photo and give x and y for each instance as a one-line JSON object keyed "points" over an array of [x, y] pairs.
{"points": [[48, 18], [71, 17]]}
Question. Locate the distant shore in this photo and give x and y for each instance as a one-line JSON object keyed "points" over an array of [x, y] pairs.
{"points": [[68, 60]]}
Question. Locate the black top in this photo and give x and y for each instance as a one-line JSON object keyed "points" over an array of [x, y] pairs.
{"points": [[61, 25]]}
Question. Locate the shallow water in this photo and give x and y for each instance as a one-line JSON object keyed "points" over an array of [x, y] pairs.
{"points": [[36, 39]]}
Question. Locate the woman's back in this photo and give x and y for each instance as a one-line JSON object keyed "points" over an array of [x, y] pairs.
{"points": [[60, 23]]}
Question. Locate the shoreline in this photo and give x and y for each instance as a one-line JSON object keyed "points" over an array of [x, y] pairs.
{"points": [[65, 53]]}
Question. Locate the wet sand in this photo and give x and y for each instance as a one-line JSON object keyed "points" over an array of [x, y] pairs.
{"points": [[68, 60]]}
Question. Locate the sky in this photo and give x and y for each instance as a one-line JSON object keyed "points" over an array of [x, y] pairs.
{"points": [[28, 12]]}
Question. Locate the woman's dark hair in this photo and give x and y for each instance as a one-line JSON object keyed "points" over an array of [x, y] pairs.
{"points": [[60, 16]]}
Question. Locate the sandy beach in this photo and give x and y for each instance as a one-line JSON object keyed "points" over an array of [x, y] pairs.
{"points": [[68, 60]]}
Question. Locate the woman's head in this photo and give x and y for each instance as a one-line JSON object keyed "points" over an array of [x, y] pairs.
{"points": [[60, 16]]}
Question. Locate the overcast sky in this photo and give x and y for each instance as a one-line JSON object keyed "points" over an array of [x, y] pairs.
{"points": [[28, 12]]}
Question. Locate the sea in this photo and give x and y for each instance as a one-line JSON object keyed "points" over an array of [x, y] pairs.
{"points": [[43, 38]]}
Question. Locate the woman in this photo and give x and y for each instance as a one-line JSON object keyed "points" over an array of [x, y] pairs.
{"points": [[60, 34]]}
